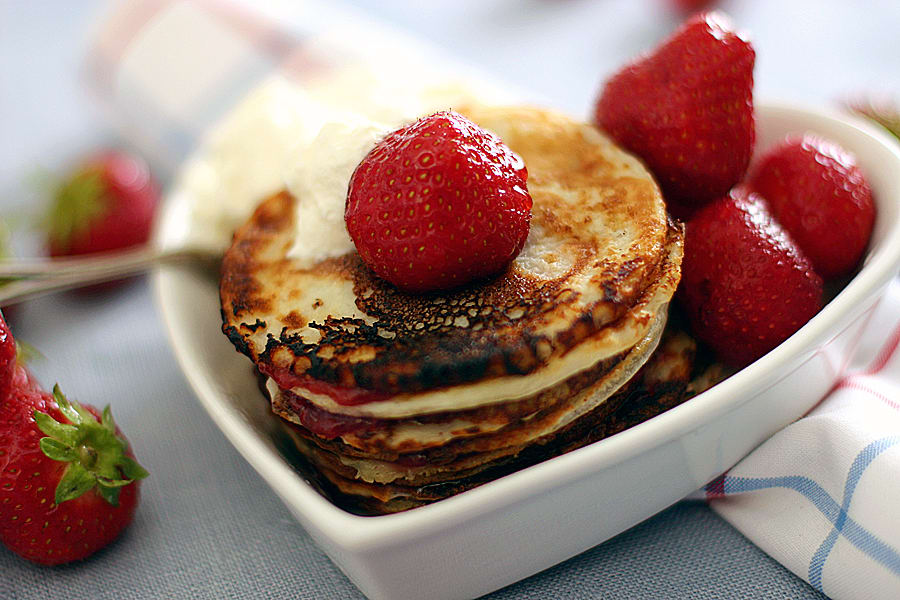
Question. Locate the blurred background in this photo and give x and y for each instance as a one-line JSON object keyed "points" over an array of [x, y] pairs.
{"points": [[809, 51], [812, 52]]}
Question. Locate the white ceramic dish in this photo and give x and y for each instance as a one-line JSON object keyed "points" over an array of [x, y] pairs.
{"points": [[506, 530]]}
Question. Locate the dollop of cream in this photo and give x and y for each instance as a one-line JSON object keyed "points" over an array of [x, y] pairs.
{"points": [[309, 139], [243, 159], [318, 176], [364, 106]]}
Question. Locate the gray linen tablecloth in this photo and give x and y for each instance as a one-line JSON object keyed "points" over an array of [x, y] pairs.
{"points": [[208, 527]]}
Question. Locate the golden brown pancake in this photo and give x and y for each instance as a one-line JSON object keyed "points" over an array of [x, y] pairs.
{"points": [[601, 261], [664, 382], [400, 399], [559, 405]]}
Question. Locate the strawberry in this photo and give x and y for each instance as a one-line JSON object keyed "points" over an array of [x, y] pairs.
{"points": [[745, 284], [818, 193], [438, 203], [66, 495], [107, 203], [687, 110]]}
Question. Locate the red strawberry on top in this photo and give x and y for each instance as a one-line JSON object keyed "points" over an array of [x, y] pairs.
{"points": [[107, 203], [438, 203], [818, 193], [68, 480], [687, 110], [745, 285]]}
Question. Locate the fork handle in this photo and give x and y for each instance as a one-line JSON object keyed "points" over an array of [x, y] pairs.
{"points": [[29, 278]]}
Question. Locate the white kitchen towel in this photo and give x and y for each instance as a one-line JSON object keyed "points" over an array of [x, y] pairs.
{"points": [[822, 496]]}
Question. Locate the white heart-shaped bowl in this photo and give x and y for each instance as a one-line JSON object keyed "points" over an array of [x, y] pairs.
{"points": [[491, 536]]}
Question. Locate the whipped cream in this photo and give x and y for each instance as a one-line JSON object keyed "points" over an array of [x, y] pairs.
{"points": [[365, 108], [308, 139], [318, 177], [243, 160]]}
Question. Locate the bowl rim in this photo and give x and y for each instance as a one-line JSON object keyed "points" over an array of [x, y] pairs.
{"points": [[360, 533]]}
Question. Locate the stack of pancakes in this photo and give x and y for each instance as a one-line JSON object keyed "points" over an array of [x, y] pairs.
{"points": [[400, 399]]}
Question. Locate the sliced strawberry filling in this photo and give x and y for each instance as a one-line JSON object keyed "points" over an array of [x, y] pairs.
{"points": [[325, 424], [345, 396], [330, 426]]}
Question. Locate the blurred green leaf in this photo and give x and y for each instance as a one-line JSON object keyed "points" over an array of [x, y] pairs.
{"points": [[883, 111]]}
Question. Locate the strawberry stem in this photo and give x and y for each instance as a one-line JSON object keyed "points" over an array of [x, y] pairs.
{"points": [[96, 454], [87, 456], [77, 202]]}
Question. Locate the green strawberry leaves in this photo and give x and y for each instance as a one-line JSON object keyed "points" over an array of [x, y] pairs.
{"points": [[95, 453], [881, 111], [64, 434], [77, 203], [57, 450], [76, 481], [132, 469], [26, 353]]}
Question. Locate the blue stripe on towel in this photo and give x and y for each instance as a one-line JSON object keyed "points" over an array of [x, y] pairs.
{"points": [[858, 536], [842, 523]]}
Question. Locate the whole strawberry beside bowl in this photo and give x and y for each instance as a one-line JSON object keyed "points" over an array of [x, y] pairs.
{"points": [[69, 484], [106, 203]]}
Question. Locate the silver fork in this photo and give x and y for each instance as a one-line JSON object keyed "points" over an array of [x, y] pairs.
{"points": [[23, 279]]}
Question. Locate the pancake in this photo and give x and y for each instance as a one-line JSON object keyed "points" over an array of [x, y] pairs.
{"points": [[564, 403], [602, 259], [401, 399], [579, 395], [664, 382]]}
